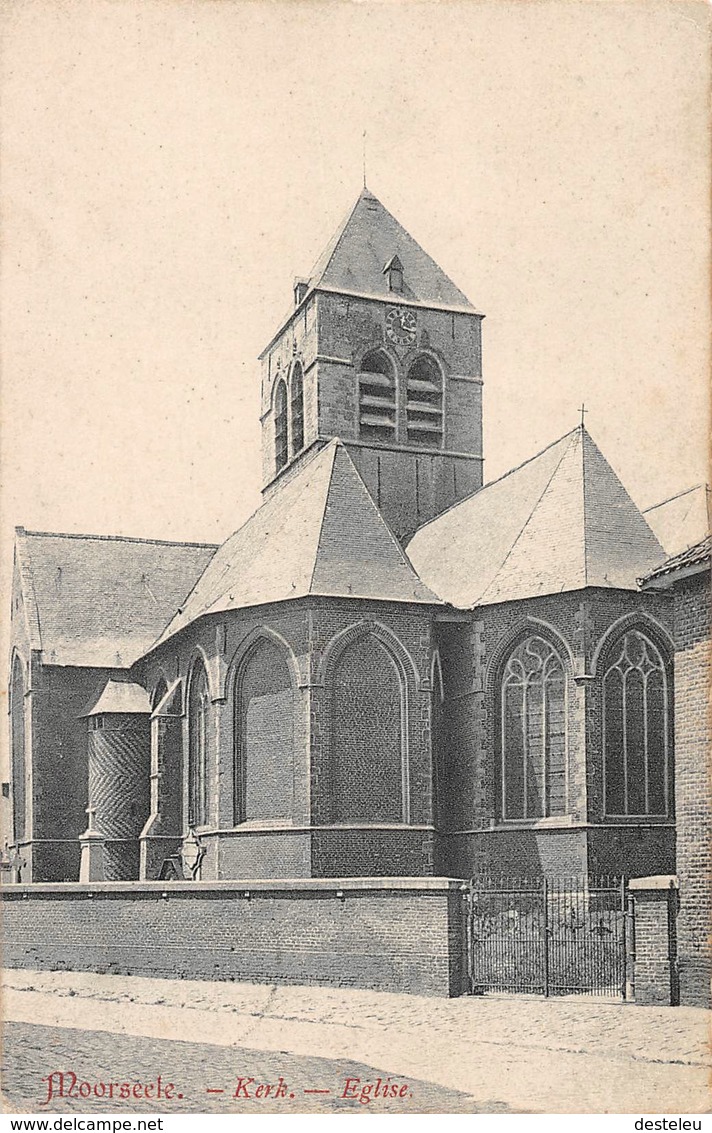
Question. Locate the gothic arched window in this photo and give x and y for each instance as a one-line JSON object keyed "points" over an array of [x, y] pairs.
{"points": [[264, 735], [366, 751], [533, 756], [424, 404], [636, 724], [297, 409], [281, 448], [198, 733], [377, 398], [18, 751]]}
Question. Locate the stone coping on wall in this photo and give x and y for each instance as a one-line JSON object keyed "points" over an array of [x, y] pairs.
{"points": [[241, 887], [659, 881]]}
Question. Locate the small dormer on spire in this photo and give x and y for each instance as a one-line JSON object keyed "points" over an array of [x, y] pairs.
{"points": [[301, 286], [393, 272]]}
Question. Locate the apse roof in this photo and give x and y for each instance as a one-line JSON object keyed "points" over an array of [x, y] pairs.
{"points": [[561, 521], [99, 600], [320, 533]]}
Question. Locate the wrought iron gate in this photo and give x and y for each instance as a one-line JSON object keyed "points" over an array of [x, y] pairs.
{"points": [[550, 936]]}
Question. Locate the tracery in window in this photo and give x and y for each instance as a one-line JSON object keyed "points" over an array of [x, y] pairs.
{"points": [[636, 724], [281, 448], [533, 757], [377, 398], [297, 408], [424, 408]]}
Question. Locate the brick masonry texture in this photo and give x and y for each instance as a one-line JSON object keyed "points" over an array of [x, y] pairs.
{"points": [[119, 788], [384, 939], [313, 635], [693, 787], [56, 776], [471, 839], [451, 743], [329, 338], [655, 972]]}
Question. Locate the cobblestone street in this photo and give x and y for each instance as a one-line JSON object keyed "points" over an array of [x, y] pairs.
{"points": [[32, 1053], [507, 1053]]}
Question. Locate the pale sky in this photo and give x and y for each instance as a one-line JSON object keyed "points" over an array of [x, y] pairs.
{"points": [[168, 168]]}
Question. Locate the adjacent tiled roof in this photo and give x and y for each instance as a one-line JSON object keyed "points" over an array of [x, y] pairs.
{"points": [[698, 555], [123, 697], [561, 521], [102, 600], [683, 520], [319, 534]]}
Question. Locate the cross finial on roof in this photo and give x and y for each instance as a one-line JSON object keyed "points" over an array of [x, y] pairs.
{"points": [[584, 411], [364, 159]]}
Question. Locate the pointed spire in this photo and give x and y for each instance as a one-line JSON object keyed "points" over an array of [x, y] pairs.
{"points": [[353, 261], [364, 159]]}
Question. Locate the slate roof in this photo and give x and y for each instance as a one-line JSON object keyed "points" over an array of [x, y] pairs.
{"points": [[122, 697], [366, 243], [683, 520], [99, 600], [363, 245], [319, 534], [686, 562], [561, 521]]}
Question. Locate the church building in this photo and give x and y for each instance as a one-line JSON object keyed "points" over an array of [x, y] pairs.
{"points": [[390, 669]]}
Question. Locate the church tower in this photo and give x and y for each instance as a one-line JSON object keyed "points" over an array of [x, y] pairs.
{"points": [[383, 351]]}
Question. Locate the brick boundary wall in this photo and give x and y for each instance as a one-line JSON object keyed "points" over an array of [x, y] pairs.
{"points": [[384, 934]]}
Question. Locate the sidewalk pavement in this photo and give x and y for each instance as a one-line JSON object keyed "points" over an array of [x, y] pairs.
{"points": [[571, 1055]]}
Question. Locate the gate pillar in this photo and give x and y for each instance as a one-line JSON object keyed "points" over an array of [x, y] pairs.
{"points": [[655, 901]]}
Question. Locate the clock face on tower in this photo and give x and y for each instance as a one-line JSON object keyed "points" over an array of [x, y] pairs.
{"points": [[401, 325]]}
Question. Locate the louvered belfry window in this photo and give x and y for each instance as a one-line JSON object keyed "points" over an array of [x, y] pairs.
{"points": [[377, 398], [281, 449], [297, 409], [533, 767], [424, 409], [636, 724]]}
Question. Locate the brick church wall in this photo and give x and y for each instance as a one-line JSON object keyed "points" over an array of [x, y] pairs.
{"points": [[408, 635], [305, 842], [471, 838], [693, 787], [402, 936], [58, 699]]}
